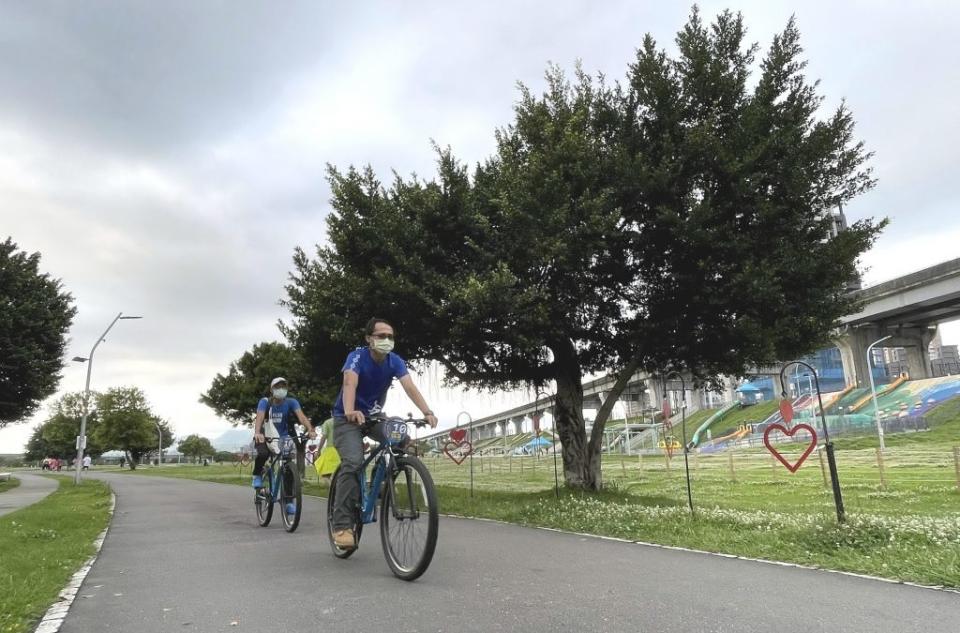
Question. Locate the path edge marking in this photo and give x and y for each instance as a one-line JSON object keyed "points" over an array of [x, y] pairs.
{"points": [[53, 618]]}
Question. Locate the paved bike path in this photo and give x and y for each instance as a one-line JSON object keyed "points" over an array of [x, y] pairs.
{"points": [[32, 488], [188, 556]]}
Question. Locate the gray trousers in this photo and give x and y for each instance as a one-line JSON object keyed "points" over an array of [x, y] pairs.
{"points": [[348, 439]]}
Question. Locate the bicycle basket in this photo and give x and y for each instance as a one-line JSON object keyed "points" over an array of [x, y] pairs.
{"points": [[395, 431]]}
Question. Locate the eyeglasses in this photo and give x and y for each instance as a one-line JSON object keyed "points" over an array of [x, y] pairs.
{"points": [[382, 335]]}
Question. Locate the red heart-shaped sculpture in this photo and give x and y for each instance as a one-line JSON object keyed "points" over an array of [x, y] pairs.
{"points": [[790, 433], [457, 435], [457, 451]]}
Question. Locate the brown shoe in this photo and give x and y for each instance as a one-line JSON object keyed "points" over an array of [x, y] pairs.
{"points": [[344, 539]]}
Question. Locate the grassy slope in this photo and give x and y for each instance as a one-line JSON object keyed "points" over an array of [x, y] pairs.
{"points": [[944, 432], [42, 545], [9, 484]]}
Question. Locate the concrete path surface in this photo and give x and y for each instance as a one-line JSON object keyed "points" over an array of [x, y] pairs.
{"points": [[188, 556], [32, 488]]}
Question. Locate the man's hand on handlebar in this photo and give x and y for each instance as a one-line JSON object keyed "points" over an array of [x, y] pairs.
{"points": [[431, 420], [356, 417], [258, 438]]}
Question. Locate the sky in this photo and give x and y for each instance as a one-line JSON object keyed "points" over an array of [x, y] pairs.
{"points": [[166, 158]]}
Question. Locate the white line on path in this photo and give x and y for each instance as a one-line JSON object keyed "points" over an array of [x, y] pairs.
{"points": [[53, 618]]}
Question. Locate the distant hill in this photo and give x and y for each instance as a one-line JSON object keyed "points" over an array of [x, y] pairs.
{"points": [[232, 440]]}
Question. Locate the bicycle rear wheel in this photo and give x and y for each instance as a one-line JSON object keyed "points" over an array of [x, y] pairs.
{"points": [[340, 552], [290, 493], [409, 519], [263, 499]]}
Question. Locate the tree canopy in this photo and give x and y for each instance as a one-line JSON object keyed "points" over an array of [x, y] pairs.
{"points": [[682, 219], [235, 395], [127, 424], [196, 446], [35, 316]]}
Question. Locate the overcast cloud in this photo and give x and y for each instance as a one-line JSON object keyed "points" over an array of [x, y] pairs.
{"points": [[166, 158]]}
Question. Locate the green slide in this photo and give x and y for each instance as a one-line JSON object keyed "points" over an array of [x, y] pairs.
{"points": [[695, 440]]}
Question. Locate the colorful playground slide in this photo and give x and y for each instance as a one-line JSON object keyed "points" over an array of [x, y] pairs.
{"points": [[733, 437], [830, 401], [880, 392], [695, 440], [916, 397]]}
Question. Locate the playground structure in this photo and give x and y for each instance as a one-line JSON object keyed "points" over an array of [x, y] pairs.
{"points": [[849, 411]]}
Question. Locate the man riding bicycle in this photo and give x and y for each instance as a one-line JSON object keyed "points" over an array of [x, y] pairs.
{"points": [[280, 408], [367, 376]]}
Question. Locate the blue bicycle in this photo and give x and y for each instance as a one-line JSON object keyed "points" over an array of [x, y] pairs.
{"points": [[408, 512], [281, 483]]}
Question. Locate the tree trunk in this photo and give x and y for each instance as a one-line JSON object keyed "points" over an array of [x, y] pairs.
{"points": [[579, 469], [581, 459], [596, 436]]}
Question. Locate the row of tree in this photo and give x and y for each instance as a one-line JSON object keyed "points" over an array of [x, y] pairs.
{"points": [[119, 419], [681, 219]]}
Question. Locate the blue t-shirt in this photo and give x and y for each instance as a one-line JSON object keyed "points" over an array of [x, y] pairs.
{"points": [[280, 414], [374, 380]]}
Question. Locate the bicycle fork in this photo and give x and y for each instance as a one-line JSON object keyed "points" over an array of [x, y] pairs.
{"points": [[371, 494]]}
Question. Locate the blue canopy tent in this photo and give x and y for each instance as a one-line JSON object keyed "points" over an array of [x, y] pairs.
{"points": [[749, 393], [538, 442]]}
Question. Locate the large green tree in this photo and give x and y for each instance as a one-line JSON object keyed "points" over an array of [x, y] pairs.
{"points": [[35, 316], [196, 446], [61, 429], [682, 219], [127, 424], [234, 396], [57, 435], [36, 448]]}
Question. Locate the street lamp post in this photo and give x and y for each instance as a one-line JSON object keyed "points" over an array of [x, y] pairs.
{"points": [[683, 428], [82, 438], [873, 388], [159, 444]]}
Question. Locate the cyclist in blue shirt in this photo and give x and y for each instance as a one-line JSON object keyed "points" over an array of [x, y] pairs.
{"points": [[280, 409], [368, 374]]}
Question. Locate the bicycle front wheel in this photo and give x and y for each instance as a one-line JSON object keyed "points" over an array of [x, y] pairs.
{"points": [[291, 498], [409, 519], [263, 499]]}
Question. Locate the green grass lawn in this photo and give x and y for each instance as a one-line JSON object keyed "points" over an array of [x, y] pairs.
{"points": [[9, 484], [42, 545]]}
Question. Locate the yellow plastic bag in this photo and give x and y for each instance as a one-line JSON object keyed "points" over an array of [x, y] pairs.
{"points": [[328, 461]]}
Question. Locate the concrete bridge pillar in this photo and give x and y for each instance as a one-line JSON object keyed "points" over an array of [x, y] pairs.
{"points": [[853, 353], [777, 387], [918, 355], [854, 342]]}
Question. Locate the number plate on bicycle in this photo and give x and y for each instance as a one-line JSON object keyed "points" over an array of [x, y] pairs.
{"points": [[395, 431]]}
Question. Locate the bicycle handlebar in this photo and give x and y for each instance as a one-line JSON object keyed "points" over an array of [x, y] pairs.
{"points": [[303, 437], [418, 422]]}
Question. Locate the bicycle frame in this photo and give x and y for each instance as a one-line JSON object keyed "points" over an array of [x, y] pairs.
{"points": [[283, 457], [383, 460]]}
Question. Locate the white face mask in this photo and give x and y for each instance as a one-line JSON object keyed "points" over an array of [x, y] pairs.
{"points": [[382, 345], [279, 393]]}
